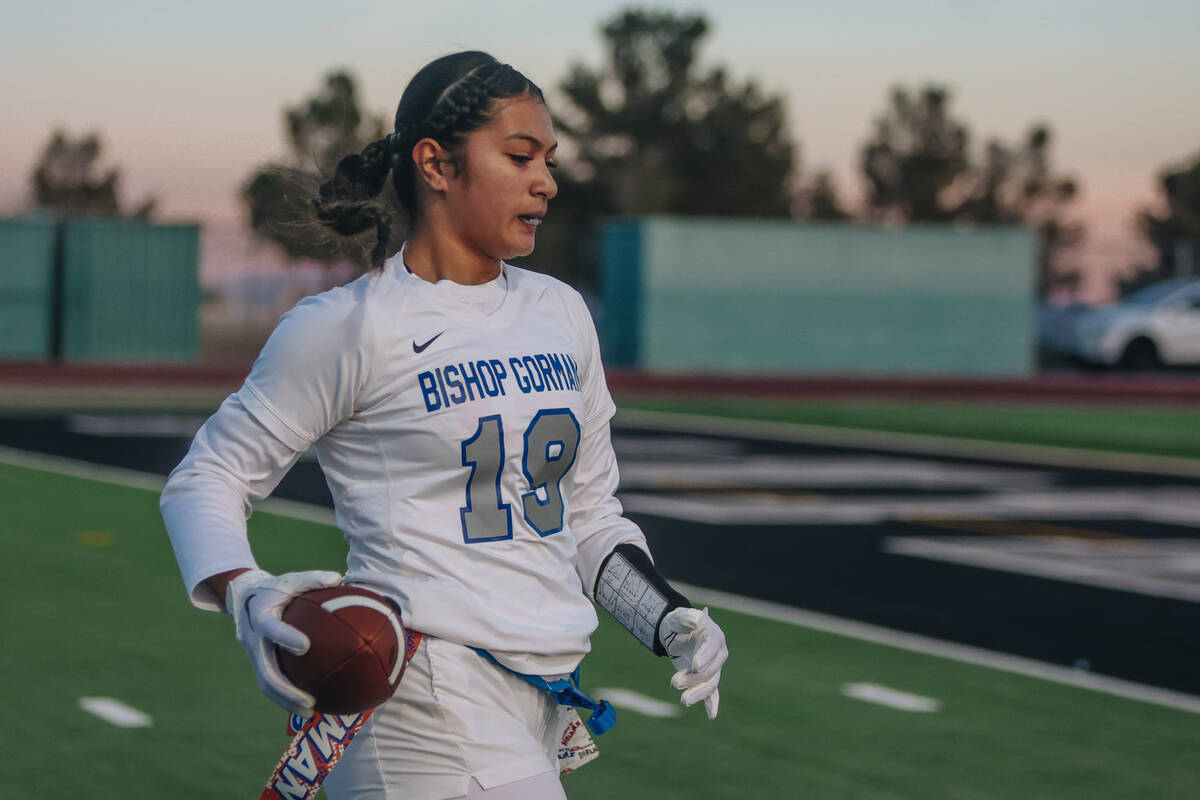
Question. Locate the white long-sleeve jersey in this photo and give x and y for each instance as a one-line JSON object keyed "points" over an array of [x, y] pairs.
{"points": [[464, 434]]}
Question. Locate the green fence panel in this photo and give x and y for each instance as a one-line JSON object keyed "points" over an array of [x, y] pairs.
{"points": [[789, 297], [26, 270], [130, 292]]}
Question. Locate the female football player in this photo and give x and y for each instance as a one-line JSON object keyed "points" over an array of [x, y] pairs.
{"points": [[459, 411]]}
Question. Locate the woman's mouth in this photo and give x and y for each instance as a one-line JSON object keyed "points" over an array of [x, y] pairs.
{"points": [[530, 219]]}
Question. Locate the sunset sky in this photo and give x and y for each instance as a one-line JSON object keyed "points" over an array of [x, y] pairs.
{"points": [[188, 96]]}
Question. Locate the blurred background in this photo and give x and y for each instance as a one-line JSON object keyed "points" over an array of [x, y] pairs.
{"points": [[941, 116], [900, 302]]}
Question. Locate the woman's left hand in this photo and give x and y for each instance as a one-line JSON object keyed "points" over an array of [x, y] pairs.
{"points": [[697, 649]]}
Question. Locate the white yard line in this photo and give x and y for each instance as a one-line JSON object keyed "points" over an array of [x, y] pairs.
{"points": [[757, 506], [909, 442], [75, 468], [760, 608], [1006, 555], [148, 425], [135, 479], [927, 645], [638, 702], [115, 712], [806, 471], [892, 698]]}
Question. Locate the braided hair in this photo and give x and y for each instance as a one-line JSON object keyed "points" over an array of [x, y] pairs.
{"points": [[446, 100]]}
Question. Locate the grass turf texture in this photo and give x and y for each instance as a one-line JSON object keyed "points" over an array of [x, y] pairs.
{"points": [[96, 608], [1154, 431]]}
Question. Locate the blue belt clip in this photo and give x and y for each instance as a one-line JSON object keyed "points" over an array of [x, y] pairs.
{"points": [[602, 719], [566, 692]]}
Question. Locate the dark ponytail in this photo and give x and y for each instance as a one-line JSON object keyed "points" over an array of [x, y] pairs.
{"points": [[447, 99], [344, 202]]}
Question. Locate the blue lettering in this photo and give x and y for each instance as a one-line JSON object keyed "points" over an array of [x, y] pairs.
{"points": [[560, 375], [574, 370], [437, 373], [572, 375], [535, 378], [472, 378], [500, 373], [488, 378], [429, 391], [454, 383], [547, 371], [522, 382]]}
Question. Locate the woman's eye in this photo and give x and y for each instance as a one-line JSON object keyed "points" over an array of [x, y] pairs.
{"points": [[552, 164], [521, 159]]}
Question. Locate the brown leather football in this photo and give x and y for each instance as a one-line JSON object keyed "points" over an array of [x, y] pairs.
{"points": [[356, 654]]}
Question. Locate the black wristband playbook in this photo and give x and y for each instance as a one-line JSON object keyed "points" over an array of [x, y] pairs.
{"points": [[636, 594]]}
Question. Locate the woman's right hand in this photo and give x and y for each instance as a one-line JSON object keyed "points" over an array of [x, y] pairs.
{"points": [[256, 600]]}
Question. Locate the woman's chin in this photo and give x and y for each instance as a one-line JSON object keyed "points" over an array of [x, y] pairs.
{"points": [[518, 249]]}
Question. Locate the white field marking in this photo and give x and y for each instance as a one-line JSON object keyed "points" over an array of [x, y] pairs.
{"points": [[1155, 567], [825, 472], [635, 701], [115, 712], [148, 481], [134, 425], [892, 698], [759, 608], [676, 447], [910, 442], [1169, 504], [75, 468], [927, 645]]}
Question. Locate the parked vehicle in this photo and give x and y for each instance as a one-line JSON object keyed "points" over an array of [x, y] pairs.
{"points": [[1158, 325]]}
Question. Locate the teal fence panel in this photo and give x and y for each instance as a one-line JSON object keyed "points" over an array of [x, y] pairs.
{"points": [[622, 292], [788, 297], [130, 291], [26, 272]]}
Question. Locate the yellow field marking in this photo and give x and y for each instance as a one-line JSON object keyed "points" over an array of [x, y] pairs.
{"points": [[95, 538]]}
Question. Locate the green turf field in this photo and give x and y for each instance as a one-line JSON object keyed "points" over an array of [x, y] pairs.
{"points": [[1158, 431], [95, 608]]}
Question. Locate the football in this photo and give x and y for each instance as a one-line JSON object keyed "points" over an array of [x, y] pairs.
{"points": [[356, 653]]}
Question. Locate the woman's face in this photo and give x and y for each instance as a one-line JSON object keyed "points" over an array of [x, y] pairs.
{"points": [[500, 198]]}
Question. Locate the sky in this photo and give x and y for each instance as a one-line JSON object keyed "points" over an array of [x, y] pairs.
{"points": [[188, 96]]}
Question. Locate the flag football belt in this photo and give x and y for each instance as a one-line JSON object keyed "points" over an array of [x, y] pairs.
{"points": [[317, 744], [566, 692]]}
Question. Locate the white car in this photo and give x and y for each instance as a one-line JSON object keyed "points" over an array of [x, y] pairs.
{"points": [[1155, 326]]}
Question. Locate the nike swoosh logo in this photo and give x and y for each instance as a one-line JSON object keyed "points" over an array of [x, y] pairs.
{"points": [[420, 348]]}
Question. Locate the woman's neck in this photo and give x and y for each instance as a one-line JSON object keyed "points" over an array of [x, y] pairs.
{"points": [[435, 257]]}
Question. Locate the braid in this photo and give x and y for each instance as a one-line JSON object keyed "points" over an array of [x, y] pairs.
{"points": [[449, 98], [464, 100], [344, 202]]}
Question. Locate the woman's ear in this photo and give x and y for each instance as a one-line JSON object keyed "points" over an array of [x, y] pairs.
{"points": [[431, 163]]}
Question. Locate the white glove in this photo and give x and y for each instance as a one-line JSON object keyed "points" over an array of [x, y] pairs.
{"points": [[697, 649], [256, 600]]}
